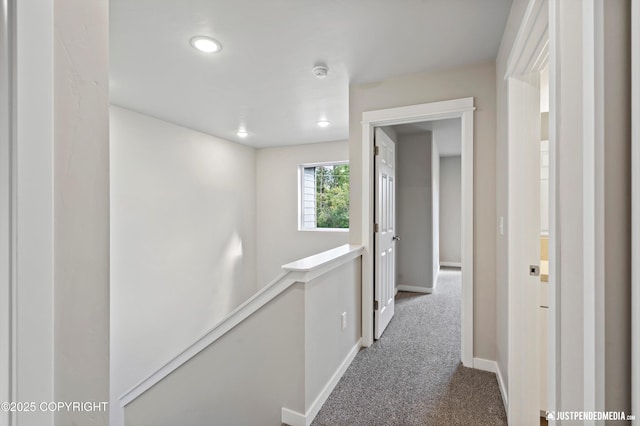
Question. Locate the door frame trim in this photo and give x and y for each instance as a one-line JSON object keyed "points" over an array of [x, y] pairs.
{"points": [[31, 281], [462, 108], [635, 222], [530, 53], [7, 167]]}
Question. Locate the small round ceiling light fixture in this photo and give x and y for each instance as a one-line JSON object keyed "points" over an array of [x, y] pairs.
{"points": [[242, 134], [205, 44], [320, 71], [323, 123]]}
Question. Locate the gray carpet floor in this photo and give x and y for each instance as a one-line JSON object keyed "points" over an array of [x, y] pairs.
{"points": [[413, 374]]}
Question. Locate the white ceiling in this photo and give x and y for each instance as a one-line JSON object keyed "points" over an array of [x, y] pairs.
{"points": [[262, 78], [446, 133]]}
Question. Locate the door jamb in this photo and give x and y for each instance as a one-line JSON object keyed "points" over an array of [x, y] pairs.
{"points": [[635, 214], [530, 53], [457, 108], [7, 144]]}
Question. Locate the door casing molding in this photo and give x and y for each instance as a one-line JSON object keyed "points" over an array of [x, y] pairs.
{"points": [[28, 188], [529, 55], [635, 215], [456, 108], [7, 246]]}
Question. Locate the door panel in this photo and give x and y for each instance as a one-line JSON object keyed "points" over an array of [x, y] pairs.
{"points": [[385, 283]]}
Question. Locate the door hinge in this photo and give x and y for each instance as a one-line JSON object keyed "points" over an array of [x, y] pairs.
{"points": [[376, 228], [375, 305], [376, 150]]}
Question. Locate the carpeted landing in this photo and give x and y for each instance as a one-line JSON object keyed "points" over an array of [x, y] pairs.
{"points": [[413, 375]]}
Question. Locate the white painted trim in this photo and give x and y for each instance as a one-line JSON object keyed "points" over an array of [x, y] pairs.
{"points": [[635, 215], [416, 289], [467, 258], [417, 113], [293, 418], [368, 217], [7, 248], [492, 367], [33, 273], [529, 52], [485, 365], [321, 263], [527, 58], [553, 323], [302, 271], [457, 108], [593, 205], [503, 389], [451, 264]]}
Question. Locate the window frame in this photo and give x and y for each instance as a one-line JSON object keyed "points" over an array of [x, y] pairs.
{"points": [[301, 168]]}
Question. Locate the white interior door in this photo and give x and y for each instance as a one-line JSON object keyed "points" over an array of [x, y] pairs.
{"points": [[523, 234], [385, 238]]}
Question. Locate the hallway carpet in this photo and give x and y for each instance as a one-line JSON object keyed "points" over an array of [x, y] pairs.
{"points": [[413, 374]]}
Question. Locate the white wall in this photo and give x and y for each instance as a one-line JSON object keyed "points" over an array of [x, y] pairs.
{"points": [[479, 81], [277, 207], [450, 209], [182, 239], [81, 205], [282, 356], [414, 207], [326, 344], [244, 378]]}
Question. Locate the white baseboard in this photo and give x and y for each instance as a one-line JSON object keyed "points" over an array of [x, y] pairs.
{"points": [[415, 289], [485, 365], [396, 292], [492, 367], [451, 264], [293, 418], [503, 390]]}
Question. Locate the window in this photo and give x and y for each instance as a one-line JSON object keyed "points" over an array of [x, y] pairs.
{"points": [[324, 196]]}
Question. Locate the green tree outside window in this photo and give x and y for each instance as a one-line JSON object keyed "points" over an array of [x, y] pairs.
{"points": [[332, 191]]}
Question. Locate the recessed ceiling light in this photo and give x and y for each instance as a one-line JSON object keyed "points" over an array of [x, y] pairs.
{"points": [[206, 44], [242, 134], [323, 123]]}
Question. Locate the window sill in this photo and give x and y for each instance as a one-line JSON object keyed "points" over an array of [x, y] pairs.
{"points": [[324, 230]]}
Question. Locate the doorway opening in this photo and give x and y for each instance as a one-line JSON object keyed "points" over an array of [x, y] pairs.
{"points": [[417, 200], [461, 109]]}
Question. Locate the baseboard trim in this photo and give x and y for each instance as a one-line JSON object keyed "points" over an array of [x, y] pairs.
{"points": [[451, 264], [293, 418], [485, 365], [415, 289], [492, 367], [503, 390]]}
